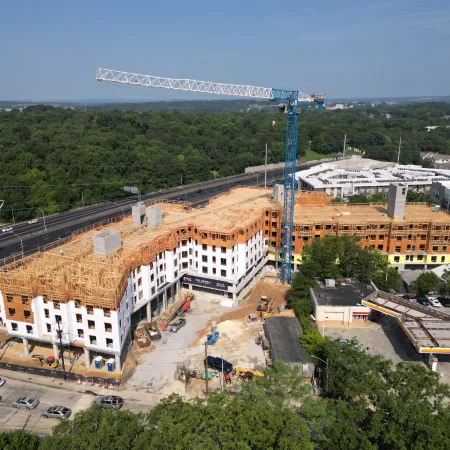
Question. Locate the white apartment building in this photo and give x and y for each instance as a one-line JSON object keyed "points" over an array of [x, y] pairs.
{"points": [[150, 290], [357, 175]]}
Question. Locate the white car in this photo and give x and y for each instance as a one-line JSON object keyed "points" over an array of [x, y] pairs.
{"points": [[2, 381], [5, 230], [32, 221], [433, 301]]}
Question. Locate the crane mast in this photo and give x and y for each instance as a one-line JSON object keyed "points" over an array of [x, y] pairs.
{"points": [[292, 97]]}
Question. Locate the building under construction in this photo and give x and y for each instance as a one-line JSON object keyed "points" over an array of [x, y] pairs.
{"points": [[93, 284]]}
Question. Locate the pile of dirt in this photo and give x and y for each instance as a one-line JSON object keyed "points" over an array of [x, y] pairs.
{"points": [[249, 305]]}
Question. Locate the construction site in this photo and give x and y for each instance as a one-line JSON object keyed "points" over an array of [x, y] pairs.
{"points": [[92, 291]]}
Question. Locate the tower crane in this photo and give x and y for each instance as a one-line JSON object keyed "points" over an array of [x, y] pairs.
{"points": [[291, 97]]}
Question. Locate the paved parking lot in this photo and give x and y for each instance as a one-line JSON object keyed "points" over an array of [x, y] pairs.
{"points": [[385, 337]]}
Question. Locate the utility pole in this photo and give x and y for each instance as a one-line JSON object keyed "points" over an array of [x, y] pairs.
{"points": [[21, 242], [59, 332], [206, 367], [265, 168], [181, 185], [345, 146], [399, 150], [12, 212], [43, 217]]}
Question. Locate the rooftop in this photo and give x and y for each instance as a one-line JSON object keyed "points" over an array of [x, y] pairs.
{"points": [[353, 213], [360, 171], [347, 293], [284, 335]]}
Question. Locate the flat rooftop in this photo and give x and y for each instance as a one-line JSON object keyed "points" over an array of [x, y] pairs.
{"points": [[284, 335], [367, 172], [352, 214], [344, 294]]}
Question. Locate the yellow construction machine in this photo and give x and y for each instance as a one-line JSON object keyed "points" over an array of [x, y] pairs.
{"points": [[244, 374], [50, 361], [267, 312]]}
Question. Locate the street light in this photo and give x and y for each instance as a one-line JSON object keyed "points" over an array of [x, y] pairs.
{"points": [[326, 365], [59, 333], [82, 197], [43, 217], [21, 242]]}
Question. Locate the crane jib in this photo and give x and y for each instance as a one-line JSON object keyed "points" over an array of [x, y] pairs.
{"points": [[291, 97]]}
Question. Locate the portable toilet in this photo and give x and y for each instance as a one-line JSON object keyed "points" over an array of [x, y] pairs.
{"points": [[99, 362], [111, 364]]}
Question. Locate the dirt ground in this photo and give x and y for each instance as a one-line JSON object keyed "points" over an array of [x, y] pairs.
{"points": [[156, 366]]}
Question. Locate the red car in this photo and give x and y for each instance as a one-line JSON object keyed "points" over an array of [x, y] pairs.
{"points": [[116, 217]]}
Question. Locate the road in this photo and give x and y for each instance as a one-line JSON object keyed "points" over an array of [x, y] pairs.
{"points": [[28, 238], [22, 419]]}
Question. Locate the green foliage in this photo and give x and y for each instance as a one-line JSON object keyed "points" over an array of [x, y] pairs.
{"points": [[426, 283], [18, 440], [417, 196], [378, 197]]}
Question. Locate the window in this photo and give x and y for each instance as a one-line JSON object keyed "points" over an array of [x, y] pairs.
{"points": [[223, 273], [91, 324], [153, 290], [214, 271], [152, 277], [29, 329], [109, 342], [214, 248], [204, 247], [47, 313], [139, 269], [14, 326], [396, 258], [26, 313], [407, 257], [204, 269], [196, 254], [444, 248], [184, 265], [139, 281], [80, 333], [93, 340], [442, 258], [214, 259], [397, 249], [25, 300], [108, 327], [419, 257], [223, 249], [435, 248], [380, 247], [9, 298], [49, 328], [223, 261], [90, 309], [56, 305], [422, 247], [57, 318], [433, 258], [141, 295], [204, 258], [184, 243], [184, 254]]}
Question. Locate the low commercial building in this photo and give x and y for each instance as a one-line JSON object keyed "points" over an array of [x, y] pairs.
{"points": [[339, 302], [283, 334], [341, 179]]}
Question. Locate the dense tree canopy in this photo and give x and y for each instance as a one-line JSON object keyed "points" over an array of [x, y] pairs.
{"points": [[52, 157]]}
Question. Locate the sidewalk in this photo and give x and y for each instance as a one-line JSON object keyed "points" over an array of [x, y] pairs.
{"points": [[82, 389]]}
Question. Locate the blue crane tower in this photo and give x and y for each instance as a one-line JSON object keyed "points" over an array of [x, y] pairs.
{"points": [[292, 99]]}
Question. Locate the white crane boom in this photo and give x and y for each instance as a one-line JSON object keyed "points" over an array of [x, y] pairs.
{"points": [[185, 84]]}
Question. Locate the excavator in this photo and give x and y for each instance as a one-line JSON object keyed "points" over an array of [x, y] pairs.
{"points": [[264, 302], [51, 361], [267, 311], [244, 374]]}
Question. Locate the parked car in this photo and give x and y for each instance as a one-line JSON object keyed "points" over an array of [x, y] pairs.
{"points": [[33, 221], [175, 326], [110, 401], [343, 340], [6, 229], [2, 381], [116, 217], [26, 402], [433, 301], [57, 412], [216, 363]]}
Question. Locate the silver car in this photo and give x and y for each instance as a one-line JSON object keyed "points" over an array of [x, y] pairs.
{"points": [[110, 401], [175, 326], [26, 402], [57, 412]]}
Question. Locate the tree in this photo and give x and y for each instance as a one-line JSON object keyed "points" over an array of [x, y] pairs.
{"points": [[19, 440], [426, 283]]}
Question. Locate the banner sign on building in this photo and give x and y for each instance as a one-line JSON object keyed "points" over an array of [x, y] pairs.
{"points": [[205, 282]]}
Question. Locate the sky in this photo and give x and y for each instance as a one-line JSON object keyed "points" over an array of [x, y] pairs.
{"points": [[49, 50]]}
